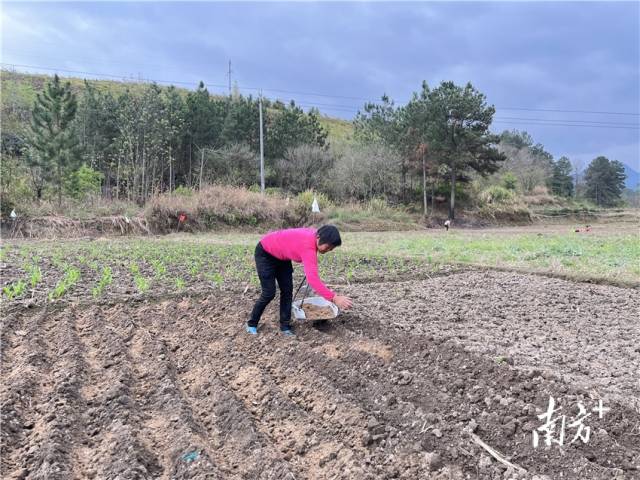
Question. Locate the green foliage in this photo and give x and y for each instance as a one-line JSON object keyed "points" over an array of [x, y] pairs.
{"points": [[509, 181], [605, 181], [379, 123], [444, 131], [497, 194], [70, 278], [205, 118], [145, 139], [142, 284], [215, 277], [159, 267], [457, 131], [562, 182], [84, 182], [305, 200], [52, 136], [14, 290], [290, 127], [242, 123], [105, 280], [183, 191], [531, 164], [35, 274]]}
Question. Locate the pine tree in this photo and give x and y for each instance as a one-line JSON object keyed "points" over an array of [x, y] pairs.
{"points": [[604, 181], [458, 133], [562, 182], [52, 135]]}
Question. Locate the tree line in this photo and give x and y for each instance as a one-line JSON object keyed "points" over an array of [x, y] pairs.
{"points": [[140, 143]]}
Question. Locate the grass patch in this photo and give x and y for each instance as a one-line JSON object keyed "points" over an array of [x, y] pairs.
{"points": [[183, 262]]}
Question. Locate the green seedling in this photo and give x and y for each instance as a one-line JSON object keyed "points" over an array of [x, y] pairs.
{"points": [[215, 277], [194, 268], [180, 283], [71, 277], [159, 268], [142, 283], [105, 280], [501, 360], [15, 290], [35, 275]]}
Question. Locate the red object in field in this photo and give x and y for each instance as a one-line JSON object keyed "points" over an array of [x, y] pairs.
{"points": [[182, 218]]}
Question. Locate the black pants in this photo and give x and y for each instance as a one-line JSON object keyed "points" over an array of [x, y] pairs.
{"points": [[271, 269]]}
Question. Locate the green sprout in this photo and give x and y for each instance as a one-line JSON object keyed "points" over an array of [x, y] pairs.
{"points": [[15, 289], [105, 280]]}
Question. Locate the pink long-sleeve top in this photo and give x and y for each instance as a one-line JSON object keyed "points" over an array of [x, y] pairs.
{"points": [[298, 245]]}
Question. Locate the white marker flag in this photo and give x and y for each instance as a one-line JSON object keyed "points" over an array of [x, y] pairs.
{"points": [[315, 208]]}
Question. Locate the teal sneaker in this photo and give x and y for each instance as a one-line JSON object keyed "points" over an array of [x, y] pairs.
{"points": [[252, 330], [288, 331]]}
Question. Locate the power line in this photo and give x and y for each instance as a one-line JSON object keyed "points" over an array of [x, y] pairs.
{"points": [[572, 121], [511, 122], [568, 111], [353, 109], [542, 121]]}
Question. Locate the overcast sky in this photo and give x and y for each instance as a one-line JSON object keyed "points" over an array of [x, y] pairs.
{"points": [[535, 56]]}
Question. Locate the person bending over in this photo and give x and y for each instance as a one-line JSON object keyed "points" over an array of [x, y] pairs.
{"points": [[274, 254]]}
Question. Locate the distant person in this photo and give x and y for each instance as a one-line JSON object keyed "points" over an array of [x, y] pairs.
{"points": [[447, 223], [274, 254]]}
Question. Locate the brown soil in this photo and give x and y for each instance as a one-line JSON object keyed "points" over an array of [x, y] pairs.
{"points": [[392, 389], [314, 312]]}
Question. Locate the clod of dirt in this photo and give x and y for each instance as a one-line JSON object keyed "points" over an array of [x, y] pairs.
{"points": [[433, 461], [315, 312], [404, 378]]}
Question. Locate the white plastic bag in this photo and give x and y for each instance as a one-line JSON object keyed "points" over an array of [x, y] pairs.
{"points": [[315, 208]]}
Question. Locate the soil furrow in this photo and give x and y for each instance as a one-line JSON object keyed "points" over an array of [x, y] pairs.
{"points": [[305, 434], [187, 454], [24, 370], [48, 453], [177, 389], [114, 415], [235, 438]]}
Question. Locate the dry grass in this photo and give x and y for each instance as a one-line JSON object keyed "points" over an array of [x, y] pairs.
{"points": [[90, 208], [540, 196], [218, 205]]}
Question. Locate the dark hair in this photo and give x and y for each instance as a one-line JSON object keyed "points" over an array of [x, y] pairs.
{"points": [[329, 234]]}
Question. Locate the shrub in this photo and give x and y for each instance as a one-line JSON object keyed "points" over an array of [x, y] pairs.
{"points": [[217, 205], [497, 195], [183, 191], [305, 200], [510, 181], [84, 182]]}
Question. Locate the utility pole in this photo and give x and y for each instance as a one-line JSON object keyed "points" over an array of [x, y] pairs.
{"points": [[229, 78], [201, 167], [261, 148]]}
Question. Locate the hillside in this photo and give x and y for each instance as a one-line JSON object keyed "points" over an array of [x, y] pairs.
{"points": [[18, 91]]}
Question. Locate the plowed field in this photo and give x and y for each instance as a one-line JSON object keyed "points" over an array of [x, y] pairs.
{"points": [[404, 386]]}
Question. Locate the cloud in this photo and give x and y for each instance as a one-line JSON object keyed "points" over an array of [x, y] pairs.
{"points": [[555, 55]]}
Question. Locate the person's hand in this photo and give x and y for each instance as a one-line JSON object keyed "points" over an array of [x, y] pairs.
{"points": [[342, 302]]}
